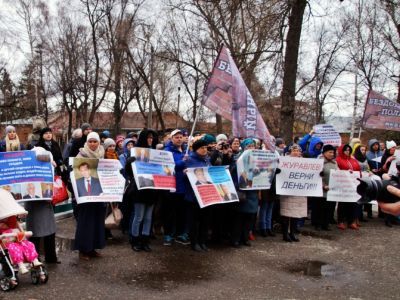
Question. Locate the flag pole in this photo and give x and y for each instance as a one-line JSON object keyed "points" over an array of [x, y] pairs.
{"points": [[202, 100]]}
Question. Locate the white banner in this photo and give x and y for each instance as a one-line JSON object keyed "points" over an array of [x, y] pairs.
{"points": [[212, 185], [256, 169], [97, 180], [153, 169], [327, 134], [343, 186], [299, 176]]}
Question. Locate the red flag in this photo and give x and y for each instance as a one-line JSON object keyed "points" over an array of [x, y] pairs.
{"points": [[227, 95], [381, 113]]}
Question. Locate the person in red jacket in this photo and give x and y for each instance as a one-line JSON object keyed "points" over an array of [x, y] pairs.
{"points": [[347, 211]]}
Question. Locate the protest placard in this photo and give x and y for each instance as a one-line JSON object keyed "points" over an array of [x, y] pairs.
{"points": [[97, 180], [26, 175], [393, 169], [153, 169], [212, 185], [299, 176], [327, 134], [343, 186], [256, 169]]}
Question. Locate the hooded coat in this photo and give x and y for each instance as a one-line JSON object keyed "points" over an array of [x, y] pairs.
{"points": [[308, 143], [179, 166], [345, 162], [371, 154]]}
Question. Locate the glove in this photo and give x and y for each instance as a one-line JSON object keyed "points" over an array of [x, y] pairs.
{"points": [[277, 171], [130, 160], [321, 173]]}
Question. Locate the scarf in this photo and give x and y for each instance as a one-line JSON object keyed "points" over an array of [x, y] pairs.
{"points": [[86, 152], [12, 145], [111, 154]]}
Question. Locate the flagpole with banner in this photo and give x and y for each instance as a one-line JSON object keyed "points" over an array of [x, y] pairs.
{"points": [[202, 100]]}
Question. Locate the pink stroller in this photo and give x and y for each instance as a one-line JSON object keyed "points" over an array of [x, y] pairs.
{"points": [[8, 269]]}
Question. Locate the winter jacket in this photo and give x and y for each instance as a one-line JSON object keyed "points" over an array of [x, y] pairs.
{"points": [[194, 161], [345, 162], [328, 166], [308, 143], [123, 157], [179, 166], [372, 155]]}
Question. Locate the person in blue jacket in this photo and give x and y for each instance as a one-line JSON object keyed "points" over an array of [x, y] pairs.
{"points": [[174, 207], [199, 217], [311, 146]]}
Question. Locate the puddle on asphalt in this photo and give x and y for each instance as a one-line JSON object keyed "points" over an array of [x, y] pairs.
{"points": [[174, 271], [315, 268]]}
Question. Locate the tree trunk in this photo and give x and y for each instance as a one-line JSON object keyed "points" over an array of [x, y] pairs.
{"points": [[219, 123], [290, 69]]}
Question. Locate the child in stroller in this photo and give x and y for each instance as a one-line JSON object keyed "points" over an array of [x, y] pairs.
{"points": [[15, 250]]}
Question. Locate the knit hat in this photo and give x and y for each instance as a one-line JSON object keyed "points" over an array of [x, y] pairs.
{"points": [[106, 133], [85, 126], [93, 136], [209, 139], [295, 146], [77, 133], [107, 143], [44, 130], [390, 144], [10, 128], [221, 138], [119, 138], [246, 143], [198, 144], [278, 142], [327, 148]]}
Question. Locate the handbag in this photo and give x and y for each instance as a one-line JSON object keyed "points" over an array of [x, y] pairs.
{"points": [[60, 193], [114, 218]]}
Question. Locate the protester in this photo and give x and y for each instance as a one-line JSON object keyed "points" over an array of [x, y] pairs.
{"points": [[127, 145], [280, 146], [77, 144], [373, 155], [174, 207], [89, 234], [292, 207], [200, 217], [119, 144], [247, 208], [143, 201], [11, 141], [360, 154], [323, 210], [76, 134], [311, 145], [41, 221], [347, 212]]}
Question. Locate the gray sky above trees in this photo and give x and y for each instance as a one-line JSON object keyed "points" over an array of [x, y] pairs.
{"points": [[324, 21]]}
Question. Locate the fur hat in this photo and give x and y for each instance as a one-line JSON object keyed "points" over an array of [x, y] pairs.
{"points": [[390, 144], [327, 148], [198, 144]]}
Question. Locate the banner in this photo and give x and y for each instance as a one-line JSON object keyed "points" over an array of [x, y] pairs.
{"points": [[153, 169], [227, 95], [26, 175], [256, 169], [381, 113], [97, 180], [299, 176], [212, 185], [327, 134], [343, 186]]}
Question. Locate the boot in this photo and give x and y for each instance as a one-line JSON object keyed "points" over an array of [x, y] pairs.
{"points": [[136, 244], [145, 243], [270, 232], [263, 232], [293, 230], [285, 230]]}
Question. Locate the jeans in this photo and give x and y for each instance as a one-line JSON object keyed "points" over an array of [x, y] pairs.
{"points": [[142, 213], [265, 215]]}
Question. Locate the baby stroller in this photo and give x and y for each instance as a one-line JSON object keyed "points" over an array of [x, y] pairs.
{"points": [[9, 271]]}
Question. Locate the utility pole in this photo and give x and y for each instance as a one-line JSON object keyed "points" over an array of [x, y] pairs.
{"points": [[177, 110], [150, 115]]}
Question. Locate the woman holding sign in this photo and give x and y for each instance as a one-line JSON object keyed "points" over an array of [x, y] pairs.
{"points": [[292, 207], [347, 211], [89, 234]]}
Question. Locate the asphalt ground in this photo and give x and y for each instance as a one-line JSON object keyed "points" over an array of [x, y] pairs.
{"points": [[360, 264]]}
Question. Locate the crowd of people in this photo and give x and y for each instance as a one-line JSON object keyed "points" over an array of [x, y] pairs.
{"points": [[177, 215]]}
